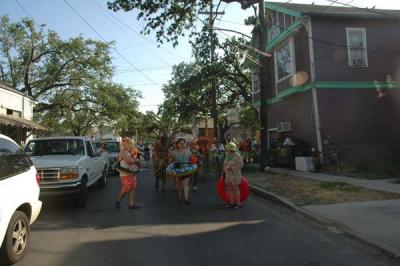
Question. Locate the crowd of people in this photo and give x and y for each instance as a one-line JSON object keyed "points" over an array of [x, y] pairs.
{"points": [[229, 160]]}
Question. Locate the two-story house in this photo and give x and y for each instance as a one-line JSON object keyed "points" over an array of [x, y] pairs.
{"points": [[334, 78], [16, 112]]}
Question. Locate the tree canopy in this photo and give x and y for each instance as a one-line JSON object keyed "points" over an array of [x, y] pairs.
{"points": [[188, 94], [71, 80], [169, 19]]}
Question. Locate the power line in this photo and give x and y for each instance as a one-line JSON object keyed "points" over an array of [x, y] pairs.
{"points": [[129, 70], [22, 7], [139, 34], [332, 3], [232, 22], [101, 37], [237, 48], [140, 84], [106, 14], [145, 67], [374, 11]]}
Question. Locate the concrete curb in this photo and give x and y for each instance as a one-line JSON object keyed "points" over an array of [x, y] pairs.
{"points": [[392, 252]]}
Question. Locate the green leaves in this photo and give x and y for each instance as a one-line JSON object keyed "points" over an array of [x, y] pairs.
{"points": [[169, 19], [70, 79]]}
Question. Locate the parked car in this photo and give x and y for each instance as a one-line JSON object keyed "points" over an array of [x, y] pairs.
{"points": [[67, 166], [112, 148], [19, 201]]}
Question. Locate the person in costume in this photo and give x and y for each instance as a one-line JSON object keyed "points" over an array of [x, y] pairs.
{"points": [[232, 168], [128, 158], [160, 161], [218, 149], [180, 156], [195, 159]]}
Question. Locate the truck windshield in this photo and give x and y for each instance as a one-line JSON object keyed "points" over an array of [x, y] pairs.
{"points": [[112, 146], [55, 147], [109, 146]]}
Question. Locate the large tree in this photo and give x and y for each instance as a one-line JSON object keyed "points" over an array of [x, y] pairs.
{"points": [[78, 109], [169, 19], [69, 79], [37, 61], [188, 94]]}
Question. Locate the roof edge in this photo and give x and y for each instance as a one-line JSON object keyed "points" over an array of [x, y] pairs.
{"points": [[9, 88], [280, 8]]}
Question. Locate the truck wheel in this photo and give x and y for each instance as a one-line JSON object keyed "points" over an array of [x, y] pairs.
{"points": [[16, 240], [81, 198], [103, 179]]}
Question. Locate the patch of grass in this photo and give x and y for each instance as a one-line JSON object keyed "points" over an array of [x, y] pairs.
{"points": [[309, 192], [251, 168], [383, 169], [397, 181], [339, 186]]}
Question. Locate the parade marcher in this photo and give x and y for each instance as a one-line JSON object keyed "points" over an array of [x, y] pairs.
{"points": [[181, 155], [160, 161], [253, 147], [146, 152], [102, 148], [128, 158], [245, 149], [218, 149], [195, 159], [232, 167]]}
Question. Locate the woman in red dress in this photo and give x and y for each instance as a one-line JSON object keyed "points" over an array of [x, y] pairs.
{"points": [[128, 158]]}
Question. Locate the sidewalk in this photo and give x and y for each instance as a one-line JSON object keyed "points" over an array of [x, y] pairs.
{"points": [[376, 222], [381, 185]]}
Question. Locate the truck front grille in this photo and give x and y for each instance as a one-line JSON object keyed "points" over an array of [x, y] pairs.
{"points": [[49, 174]]}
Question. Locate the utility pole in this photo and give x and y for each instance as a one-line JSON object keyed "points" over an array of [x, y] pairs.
{"points": [[214, 108], [264, 71]]}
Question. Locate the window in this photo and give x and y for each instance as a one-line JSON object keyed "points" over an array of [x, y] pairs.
{"points": [[284, 61], [14, 113], [273, 25], [12, 162], [55, 147], [7, 146], [89, 149], [357, 47], [109, 146], [255, 81]]}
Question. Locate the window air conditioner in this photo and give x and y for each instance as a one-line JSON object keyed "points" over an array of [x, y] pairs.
{"points": [[358, 62], [284, 126]]}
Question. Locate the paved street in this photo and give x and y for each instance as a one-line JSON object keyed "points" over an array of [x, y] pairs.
{"points": [[167, 232]]}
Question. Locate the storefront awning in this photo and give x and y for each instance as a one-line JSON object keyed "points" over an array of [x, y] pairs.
{"points": [[20, 122]]}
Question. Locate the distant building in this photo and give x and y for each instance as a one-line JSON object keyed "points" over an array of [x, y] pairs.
{"points": [[334, 81], [16, 112], [205, 127], [104, 132]]}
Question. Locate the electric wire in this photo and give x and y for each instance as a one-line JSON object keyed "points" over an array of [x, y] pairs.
{"points": [[23, 9], [374, 11], [110, 18], [101, 37], [139, 34]]}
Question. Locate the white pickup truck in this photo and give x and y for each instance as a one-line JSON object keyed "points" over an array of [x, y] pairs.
{"points": [[67, 166]]}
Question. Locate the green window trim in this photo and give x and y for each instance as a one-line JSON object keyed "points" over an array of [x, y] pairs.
{"points": [[271, 45], [331, 85]]}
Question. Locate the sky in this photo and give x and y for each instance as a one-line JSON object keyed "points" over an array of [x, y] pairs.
{"points": [[143, 65]]}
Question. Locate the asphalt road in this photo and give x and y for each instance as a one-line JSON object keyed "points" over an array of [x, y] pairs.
{"points": [[167, 232]]}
